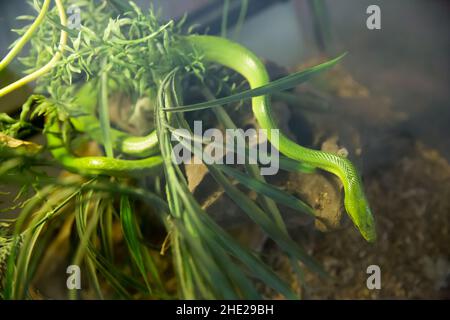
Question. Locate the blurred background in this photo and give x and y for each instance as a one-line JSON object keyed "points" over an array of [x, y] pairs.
{"points": [[390, 109]]}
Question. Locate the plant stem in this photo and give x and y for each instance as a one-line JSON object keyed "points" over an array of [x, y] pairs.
{"points": [[38, 73], [104, 115], [25, 38], [241, 19], [224, 26]]}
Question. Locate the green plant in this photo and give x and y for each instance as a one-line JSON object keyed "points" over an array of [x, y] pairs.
{"points": [[119, 49]]}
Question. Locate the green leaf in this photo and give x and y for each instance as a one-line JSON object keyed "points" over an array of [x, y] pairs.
{"points": [[258, 268], [104, 116], [274, 86], [131, 235], [267, 190], [268, 225], [107, 269]]}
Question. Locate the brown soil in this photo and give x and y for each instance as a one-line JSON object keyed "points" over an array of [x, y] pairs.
{"points": [[411, 201]]}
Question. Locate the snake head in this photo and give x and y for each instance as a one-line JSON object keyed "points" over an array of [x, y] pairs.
{"points": [[359, 211]]}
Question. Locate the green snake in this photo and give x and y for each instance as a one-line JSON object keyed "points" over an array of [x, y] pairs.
{"points": [[215, 50], [236, 57]]}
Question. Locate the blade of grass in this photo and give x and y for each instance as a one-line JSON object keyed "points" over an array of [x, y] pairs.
{"points": [[224, 25], [108, 271], [256, 266], [322, 29], [130, 232], [92, 206], [106, 234], [31, 235], [241, 19], [272, 87], [267, 190], [214, 280], [256, 214], [104, 115]]}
